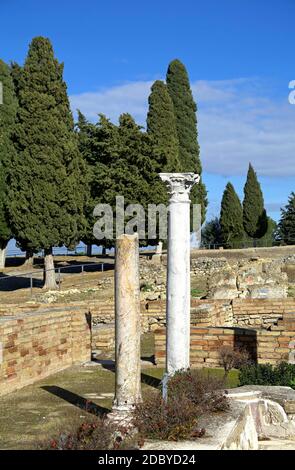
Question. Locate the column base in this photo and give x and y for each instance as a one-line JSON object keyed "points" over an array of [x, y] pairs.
{"points": [[121, 415]]}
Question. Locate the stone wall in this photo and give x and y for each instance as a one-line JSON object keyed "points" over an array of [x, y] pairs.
{"points": [[263, 346], [36, 344], [260, 313], [38, 341]]}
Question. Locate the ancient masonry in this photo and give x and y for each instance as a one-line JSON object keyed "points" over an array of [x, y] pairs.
{"points": [[37, 341]]}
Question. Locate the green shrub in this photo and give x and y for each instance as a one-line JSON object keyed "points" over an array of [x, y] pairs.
{"points": [[265, 374]]}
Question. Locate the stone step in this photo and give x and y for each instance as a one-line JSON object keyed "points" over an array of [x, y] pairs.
{"points": [[277, 444]]}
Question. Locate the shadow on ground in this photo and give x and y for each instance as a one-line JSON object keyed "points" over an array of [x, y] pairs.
{"points": [[76, 400]]}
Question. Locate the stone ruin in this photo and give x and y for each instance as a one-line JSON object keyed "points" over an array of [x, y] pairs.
{"points": [[254, 278]]}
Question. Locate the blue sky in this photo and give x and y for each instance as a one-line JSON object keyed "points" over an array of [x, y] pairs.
{"points": [[239, 55]]}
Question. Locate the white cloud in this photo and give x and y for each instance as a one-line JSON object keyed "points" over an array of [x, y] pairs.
{"points": [[238, 122]]}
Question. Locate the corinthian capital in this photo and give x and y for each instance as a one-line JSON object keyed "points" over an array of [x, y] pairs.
{"points": [[179, 185]]}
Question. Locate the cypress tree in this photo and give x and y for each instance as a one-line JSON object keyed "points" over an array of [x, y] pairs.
{"points": [[48, 184], [231, 217], [186, 124], [8, 108], [161, 125], [287, 221], [254, 214]]}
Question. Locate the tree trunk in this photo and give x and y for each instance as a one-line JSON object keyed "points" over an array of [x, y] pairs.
{"points": [[29, 261], [89, 250], [49, 272], [2, 255], [104, 250]]}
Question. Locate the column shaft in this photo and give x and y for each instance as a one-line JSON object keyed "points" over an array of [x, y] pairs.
{"points": [[127, 323]]}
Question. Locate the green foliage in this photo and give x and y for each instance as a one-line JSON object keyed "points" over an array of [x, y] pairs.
{"points": [[186, 121], [266, 374], [122, 161], [231, 217], [48, 185], [8, 111], [161, 125], [287, 222], [254, 214], [211, 233]]}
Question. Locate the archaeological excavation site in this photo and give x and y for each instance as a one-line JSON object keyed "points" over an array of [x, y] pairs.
{"points": [[67, 352], [147, 233]]}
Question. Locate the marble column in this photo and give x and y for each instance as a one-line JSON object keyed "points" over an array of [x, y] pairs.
{"points": [[178, 271], [127, 325]]}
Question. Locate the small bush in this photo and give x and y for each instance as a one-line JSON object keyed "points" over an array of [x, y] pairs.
{"points": [[94, 434], [265, 374], [156, 419], [204, 391], [232, 358], [190, 394]]}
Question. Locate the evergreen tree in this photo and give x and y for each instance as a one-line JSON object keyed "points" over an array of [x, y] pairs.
{"points": [[122, 161], [186, 124], [161, 125], [231, 217], [99, 146], [287, 222], [48, 184], [8, 108], [254, 214], [211, 233]]}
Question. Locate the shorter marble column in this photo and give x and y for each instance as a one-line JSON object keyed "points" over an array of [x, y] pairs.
{"points": [[127, 325]]}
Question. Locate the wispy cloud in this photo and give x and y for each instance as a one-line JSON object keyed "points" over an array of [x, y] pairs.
{"points": [[238, 122]]}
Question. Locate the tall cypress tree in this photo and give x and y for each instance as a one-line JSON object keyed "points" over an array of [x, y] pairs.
{"points": [[287, 222], [161, 125], [254, 214], [231, 217], [186, 124], [8, 108], [48, 185]]}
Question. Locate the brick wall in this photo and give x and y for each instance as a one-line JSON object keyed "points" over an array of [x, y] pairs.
{"points": [[39, 343], [259, 313], [263, 346]]}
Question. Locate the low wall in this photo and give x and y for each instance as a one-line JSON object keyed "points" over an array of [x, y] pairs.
{"points": [[36, 344], [37, 341], [263, 346], [260, 313]]}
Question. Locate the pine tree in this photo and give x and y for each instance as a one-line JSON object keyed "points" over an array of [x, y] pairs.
{"points": [[122, 161], [186, 124], [161, 125], [48, 185], [98, 144], [231, 217], [287, 222], [8, 108], [254, 214]]}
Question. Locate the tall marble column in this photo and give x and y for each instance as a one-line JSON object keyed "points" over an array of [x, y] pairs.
{"points": [[178, 271], [127, 325]]}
